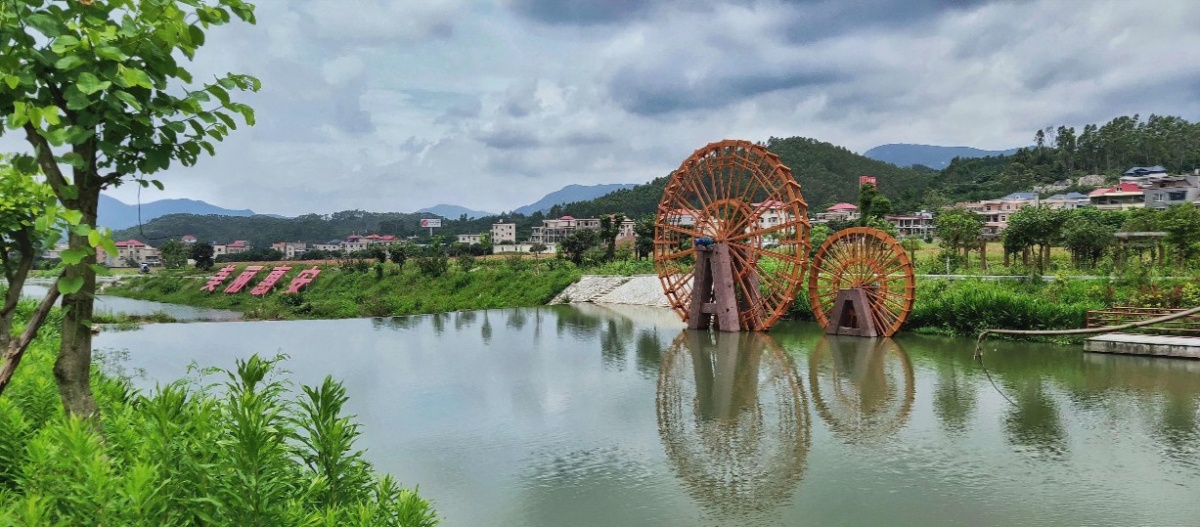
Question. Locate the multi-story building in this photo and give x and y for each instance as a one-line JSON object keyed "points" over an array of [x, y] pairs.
{"points": [[290, 250], [553, 231], [132, 250], [996, 212], [1122, 196], [238, 246], [504, 233], [919, 224], [470, 239], [839, 212], [1164, 191], [1068, 201]]}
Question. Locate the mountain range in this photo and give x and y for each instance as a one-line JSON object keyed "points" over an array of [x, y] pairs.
{"points": [[455, 211], [116, 215], [936, 157], [570, 194]]}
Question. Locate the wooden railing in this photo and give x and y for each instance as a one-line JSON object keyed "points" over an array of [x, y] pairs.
{"points": [[1117, 315]]}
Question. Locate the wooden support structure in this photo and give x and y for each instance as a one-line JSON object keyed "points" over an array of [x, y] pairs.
{"points": [[852, 315], [714, 302]]}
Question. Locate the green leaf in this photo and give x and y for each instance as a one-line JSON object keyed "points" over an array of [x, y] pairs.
{"points": [[220, 94], [50, 114], [73, 256], [157, 184], [73, 159], [72, 216], [89, 84], [196, 34], [128, 99], [112, 53], [136, 77], [70, 285], [94, 238], [12, 81], [64, 43]]}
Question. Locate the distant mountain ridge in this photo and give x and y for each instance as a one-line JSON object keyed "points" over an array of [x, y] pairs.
{"points": [[932, 156], [453, 212], [571, 194], [116, 214]]}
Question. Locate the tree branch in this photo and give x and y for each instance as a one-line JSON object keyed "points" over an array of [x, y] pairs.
{"points": [[45, 159], [16, 349]]}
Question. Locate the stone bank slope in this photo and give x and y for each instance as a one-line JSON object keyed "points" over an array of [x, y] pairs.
{"points": [[640, 290]]}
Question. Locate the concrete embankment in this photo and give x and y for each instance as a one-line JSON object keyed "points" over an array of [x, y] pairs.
{"points": [[641, 290]]}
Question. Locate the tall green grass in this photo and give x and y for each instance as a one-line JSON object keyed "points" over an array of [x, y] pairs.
{"points": [[248, 451], [338, 293], [966, 307]]}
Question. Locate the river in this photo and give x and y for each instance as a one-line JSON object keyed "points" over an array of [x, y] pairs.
{"points": [[590, 415]]}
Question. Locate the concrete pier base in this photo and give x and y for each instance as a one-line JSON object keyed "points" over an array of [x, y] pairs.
{"points": [[1138, 344]]}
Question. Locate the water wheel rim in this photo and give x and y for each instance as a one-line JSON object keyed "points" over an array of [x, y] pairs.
{"points": [[865, 258], [724, 191]]}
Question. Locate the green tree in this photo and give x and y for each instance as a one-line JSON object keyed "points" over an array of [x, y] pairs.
{"points": [[959, 229], [202, 254], [577, 243], [1086, 235], [610, 228], [1034, 226], [99, 87], [174, 254], [399, 254], [644, 230], [1182, 225], [30, 220]]}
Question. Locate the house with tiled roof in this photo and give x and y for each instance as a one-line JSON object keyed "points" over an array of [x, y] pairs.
{"points": [[1122, 196]]}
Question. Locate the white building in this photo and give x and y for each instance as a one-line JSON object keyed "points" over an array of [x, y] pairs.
{"points": [[504, 233]]}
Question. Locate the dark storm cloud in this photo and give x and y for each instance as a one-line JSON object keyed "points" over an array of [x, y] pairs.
{"points": [[812, 20], [656, 92], [509, 139], [581, 12]]}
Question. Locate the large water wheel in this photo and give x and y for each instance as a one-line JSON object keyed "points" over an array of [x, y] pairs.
{"points": [[862, 283], [731, 241]]}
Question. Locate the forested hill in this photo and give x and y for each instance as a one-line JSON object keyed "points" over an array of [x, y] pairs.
{"points": [[827, 174], [262, 231]]}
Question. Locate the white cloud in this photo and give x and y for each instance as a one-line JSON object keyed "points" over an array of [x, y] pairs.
{"points": [[400, 105]]}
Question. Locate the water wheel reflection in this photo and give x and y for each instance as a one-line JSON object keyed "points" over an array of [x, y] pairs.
{"points": [[733, 418], [862, 388]]}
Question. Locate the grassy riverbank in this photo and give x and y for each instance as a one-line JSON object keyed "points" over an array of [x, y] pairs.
{"points": [[955, 307], [384, 291], [249, 451]]}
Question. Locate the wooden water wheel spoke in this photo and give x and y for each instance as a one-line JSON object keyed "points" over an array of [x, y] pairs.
{"points": [[727, 188], [866, 260]]}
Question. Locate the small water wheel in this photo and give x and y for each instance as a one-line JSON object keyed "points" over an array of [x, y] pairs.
{"points": [[731, 241], [861, 283]]}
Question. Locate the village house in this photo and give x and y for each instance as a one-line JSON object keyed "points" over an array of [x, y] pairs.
{"points": [[504, 233], [919, 224], [996, 212], [1122, 196], [129, 251], [188, 239], [1163, 191], [290, 250], [838, 212], [554, 230], [470, 239], [1068, 201], [1137, 173]]}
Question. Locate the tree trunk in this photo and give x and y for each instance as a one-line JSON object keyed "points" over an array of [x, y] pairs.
{"points": [[73, 369], [983, 256], [16, 281], [15, 349]]}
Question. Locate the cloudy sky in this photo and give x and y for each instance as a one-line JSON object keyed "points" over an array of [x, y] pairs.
{"points": [[394, 105]]}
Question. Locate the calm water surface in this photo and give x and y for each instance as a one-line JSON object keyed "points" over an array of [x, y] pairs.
{"points": [[114, 305], [593, 415]]}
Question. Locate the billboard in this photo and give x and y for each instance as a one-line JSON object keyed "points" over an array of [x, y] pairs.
{"points": [[863, 180], [431, 222]]}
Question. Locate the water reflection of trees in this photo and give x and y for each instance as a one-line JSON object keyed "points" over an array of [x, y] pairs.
{"points": [[955, 394], [733, 418], [1034, 420], [862, 388]]}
